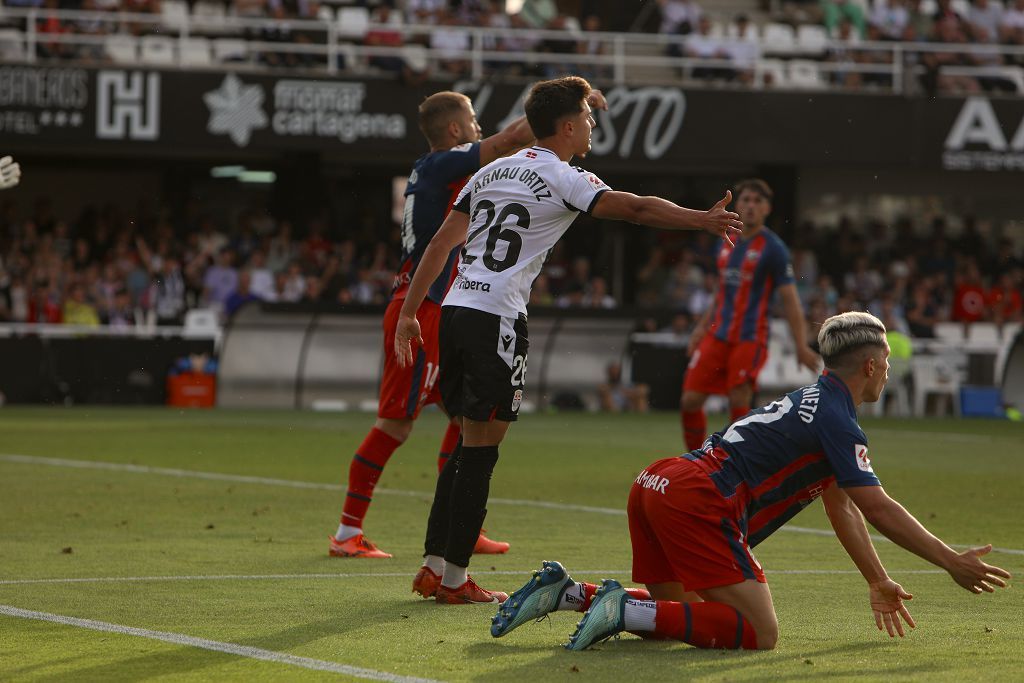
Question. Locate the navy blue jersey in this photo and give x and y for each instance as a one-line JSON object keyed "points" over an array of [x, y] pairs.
{"points": [[435, 182], [749, 274], [775, 461]]}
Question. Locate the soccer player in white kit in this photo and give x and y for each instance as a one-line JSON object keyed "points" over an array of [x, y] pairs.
{"points": [[509, 215]]}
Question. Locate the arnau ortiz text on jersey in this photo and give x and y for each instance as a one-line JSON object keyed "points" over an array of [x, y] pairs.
{"points": [[528, 177]]}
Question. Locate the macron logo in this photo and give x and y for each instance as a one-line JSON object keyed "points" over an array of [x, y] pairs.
{"points": [[863, 462]]}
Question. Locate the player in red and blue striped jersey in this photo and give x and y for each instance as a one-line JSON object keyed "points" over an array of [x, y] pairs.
{"points": [[729, 345], [694, 519]]}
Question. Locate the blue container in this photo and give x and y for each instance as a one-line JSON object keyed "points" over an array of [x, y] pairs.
{"points": [[981, 402]]}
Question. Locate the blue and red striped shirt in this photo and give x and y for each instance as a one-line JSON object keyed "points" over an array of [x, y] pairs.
{"points": [[435, 182], [748, 275], [775, 461]]}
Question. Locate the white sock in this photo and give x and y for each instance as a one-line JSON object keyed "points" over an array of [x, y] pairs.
{"points": [[640, 615], [434, 563], [347, 532], [454, 575], [573, 598]]}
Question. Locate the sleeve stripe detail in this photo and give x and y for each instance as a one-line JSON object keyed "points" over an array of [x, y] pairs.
{"points": [[593, 201]]}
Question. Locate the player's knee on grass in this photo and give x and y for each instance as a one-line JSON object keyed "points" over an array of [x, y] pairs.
{"points": [[767, 632]]}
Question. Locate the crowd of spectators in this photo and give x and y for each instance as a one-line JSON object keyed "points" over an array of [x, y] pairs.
{"points": [[113, 269], [733, 43], [107, 267], [849, 25]]}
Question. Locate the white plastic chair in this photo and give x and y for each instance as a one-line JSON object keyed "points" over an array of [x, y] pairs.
{"points": [[778, 39], [804, 73], [174, 13], [195, 51], [12, 44], [935, 375], [121, 48], [230, 50], [983, 336], [1009, 332], [156, 50], [415, 57], [353, 22], [950, 333], [209, 17], [812, 39], [773, 72]]}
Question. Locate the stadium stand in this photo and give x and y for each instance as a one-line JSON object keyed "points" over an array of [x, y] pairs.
{"points": [[136, 267]]}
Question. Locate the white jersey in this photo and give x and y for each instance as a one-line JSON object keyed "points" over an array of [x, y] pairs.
{"points": [[519, 206]]}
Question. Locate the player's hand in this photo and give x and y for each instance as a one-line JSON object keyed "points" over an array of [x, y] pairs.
{"points": [[407, 331], [10, 173], [887, 603], [808, 358], [972, 574], [596, 100], [722, 222]]}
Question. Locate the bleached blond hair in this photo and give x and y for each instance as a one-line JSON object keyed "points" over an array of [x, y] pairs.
{"points": [[845, 333]]}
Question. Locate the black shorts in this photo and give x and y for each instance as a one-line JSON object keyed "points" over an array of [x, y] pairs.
{"points": [[483, 364]]}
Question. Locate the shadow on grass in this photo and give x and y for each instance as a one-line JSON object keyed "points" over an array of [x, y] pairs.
{"points": [[620, 660], [187, 659]]}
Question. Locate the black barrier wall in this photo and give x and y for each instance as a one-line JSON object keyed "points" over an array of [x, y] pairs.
{"points": [[231, 115], [93, 370]]}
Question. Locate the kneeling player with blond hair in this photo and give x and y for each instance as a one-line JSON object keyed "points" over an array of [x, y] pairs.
{"points": [[693, 519]]}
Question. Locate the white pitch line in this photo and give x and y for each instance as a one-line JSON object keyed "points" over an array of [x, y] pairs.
{"points": [[404, 575], [291, 483], [216, 646]]}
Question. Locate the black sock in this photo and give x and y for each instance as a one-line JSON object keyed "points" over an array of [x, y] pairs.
{"points": [[469, 501], [440, 510]]}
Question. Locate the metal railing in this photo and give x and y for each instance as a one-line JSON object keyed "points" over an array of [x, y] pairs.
{"points": [[327, 45]]}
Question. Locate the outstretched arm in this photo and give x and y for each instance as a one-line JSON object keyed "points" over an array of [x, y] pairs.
{"points": [[661, 213], [451, 234], [900, 527], [798, 326], [886, 596]]}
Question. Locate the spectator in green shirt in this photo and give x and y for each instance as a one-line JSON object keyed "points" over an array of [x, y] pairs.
{"points": [[835, 11]]}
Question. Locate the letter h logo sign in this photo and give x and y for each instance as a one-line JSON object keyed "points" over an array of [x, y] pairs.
{"points": [[127, 105]]}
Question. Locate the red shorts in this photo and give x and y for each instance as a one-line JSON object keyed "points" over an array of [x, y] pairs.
{"points": [[404, 391], [718, 366], [682, 529]]}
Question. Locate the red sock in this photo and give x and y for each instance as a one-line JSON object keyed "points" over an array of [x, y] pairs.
{"points": [[590, 588], [695, 428], [448, 444], [737, 413], [704, 624], [363, 474]]}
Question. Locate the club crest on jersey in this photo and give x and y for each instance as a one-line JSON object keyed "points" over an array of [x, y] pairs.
{"points": [[863, 462], [517, 400]]}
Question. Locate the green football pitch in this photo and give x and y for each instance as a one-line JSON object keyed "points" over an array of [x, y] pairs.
{"points": [[193, 546]]}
